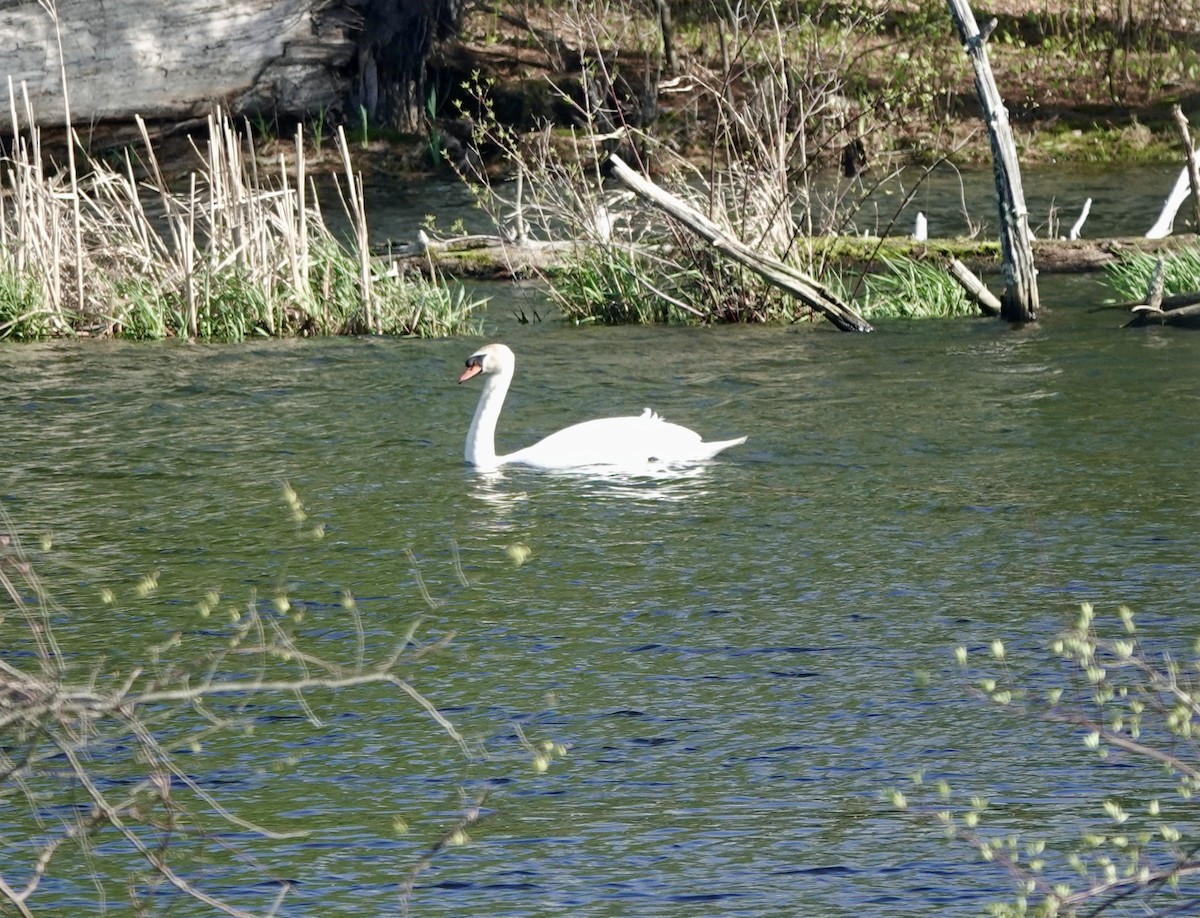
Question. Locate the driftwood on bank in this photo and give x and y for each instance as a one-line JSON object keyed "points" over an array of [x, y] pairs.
{"points": [[792, 281], [480, 257], [1020, 302]]}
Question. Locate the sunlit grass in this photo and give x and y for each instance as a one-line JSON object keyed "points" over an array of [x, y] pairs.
{"points": [[22, 314], [1130, 276], [912, 289], [615, 285]]}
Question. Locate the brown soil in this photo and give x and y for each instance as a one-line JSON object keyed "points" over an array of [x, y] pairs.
{"points": [[908, 87]]}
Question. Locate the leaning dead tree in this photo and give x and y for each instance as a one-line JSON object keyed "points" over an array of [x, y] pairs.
{"points": [[1188, 183], [1193, 164], [796, 283], [976, 290], [1020, 300]]}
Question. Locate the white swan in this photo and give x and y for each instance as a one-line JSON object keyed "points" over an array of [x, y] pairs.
{"points": [[631, 443]]}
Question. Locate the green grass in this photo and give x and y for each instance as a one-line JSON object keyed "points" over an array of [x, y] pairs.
{"points": [[615, 285], [912, 289], [22, 312], [1130, 276], [232, 308], [618, 285]]}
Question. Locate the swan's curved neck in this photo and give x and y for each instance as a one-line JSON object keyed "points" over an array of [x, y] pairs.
{"points": [[481, 436]]}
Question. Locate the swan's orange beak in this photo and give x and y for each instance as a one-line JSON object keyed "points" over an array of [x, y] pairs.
{"points": [[473, 369]]}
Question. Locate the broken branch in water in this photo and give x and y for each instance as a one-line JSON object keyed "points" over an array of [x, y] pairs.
{"points": [[976, 289]]}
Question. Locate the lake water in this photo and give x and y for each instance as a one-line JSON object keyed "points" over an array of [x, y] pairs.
{"points": [[740, 661], [1125, 202]]}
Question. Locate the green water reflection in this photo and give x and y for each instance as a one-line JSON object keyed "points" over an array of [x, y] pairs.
{"points": [[733, 657]]}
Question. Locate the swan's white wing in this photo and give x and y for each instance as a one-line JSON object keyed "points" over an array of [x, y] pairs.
{"points": [[629, 442]]}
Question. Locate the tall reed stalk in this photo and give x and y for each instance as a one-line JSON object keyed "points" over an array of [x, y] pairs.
{"points": [[232, 252]]}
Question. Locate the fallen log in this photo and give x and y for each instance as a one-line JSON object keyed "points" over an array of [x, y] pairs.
{"points": [[1185, 309], [1169, 303], [478, 257], [496, 258], [1185, 316]]}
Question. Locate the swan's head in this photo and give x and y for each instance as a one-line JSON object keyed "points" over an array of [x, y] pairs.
{"points": [[489, 359]]}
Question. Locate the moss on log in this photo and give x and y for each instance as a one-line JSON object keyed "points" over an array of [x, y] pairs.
{"points": [[501, 260]]}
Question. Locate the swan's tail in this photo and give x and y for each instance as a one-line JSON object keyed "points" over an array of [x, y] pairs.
{"points": [[711, 449]]}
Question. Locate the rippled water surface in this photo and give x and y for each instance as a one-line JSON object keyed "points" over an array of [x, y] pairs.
{"points": [[740, 660]]}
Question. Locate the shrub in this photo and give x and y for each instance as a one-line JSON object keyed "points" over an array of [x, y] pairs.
{"points": [[1129, 697]]}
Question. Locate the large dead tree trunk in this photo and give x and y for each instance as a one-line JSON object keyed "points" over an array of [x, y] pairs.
{"points": [[397, 39], [175, 61], [1020, 300]]}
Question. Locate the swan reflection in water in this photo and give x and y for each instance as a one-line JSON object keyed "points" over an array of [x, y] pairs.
{"points": [[501, 500], [504, 492]]}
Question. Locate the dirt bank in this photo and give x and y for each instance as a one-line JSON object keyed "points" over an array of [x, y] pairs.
{"points": [[1095, 86]]}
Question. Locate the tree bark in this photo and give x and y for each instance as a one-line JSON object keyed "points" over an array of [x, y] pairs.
{"points": [[175, 61], [976, 289], [396, 41], [1020, 300], [670, 61]]}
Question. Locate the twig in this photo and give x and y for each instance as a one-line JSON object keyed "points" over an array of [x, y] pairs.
{"points": [[470, 816]]}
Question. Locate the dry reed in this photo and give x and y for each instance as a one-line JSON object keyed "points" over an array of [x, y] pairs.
{"points": [[121, 251]]}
